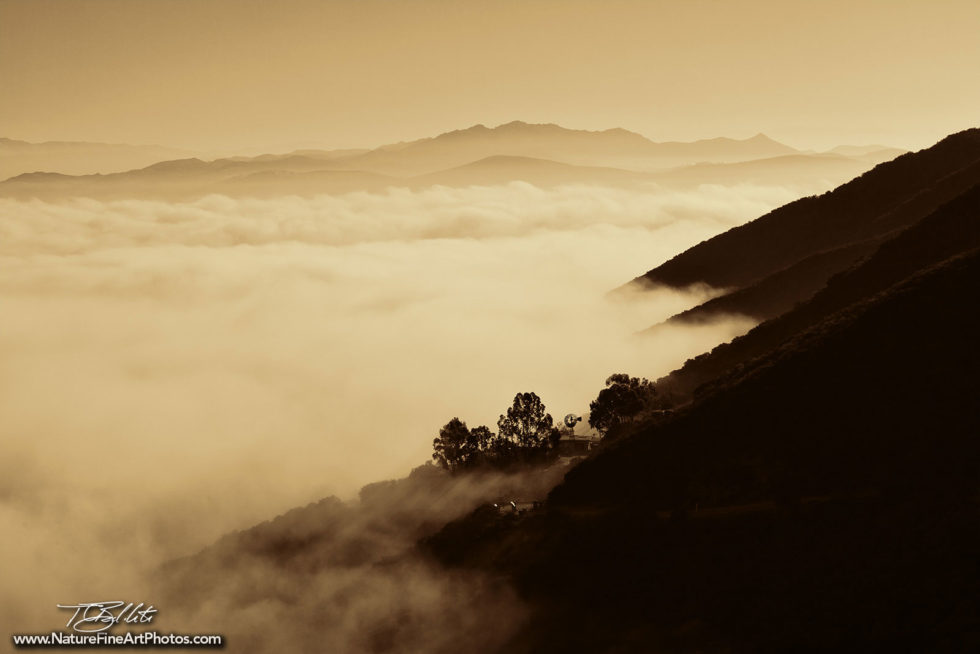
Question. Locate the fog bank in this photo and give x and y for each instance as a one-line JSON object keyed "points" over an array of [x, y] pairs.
{"points": [[173, 371]]}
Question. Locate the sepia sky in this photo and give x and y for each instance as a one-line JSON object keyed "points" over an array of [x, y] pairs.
{"points": [[224, 75]]}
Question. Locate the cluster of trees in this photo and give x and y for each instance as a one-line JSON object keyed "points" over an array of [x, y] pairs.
{"points": [[622, 400], [526, 435]]}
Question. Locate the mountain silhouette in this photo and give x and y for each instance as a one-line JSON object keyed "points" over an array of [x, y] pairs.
{"points": [[952, 229], [617, 148], [773, 262], [77, 157], [544, 155]]}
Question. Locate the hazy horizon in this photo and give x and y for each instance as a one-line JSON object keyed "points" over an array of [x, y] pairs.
{"points": [[289, 148], [347, 74]]}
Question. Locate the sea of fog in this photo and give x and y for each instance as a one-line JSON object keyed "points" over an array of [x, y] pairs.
{"points": [[174, 371]]}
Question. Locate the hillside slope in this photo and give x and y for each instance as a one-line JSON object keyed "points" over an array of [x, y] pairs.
{"points": [[823, 498], [777, 293], [346, 576], [951, 229], [891, 196]]}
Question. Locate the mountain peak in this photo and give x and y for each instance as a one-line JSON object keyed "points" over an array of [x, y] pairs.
{"points": [[519, 126]]}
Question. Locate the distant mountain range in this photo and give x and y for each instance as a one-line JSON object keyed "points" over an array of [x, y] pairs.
{"points": [[607, 148], [544, 155], [79, 158]]}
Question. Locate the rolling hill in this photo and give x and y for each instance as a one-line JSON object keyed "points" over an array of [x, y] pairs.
{"points": [[770, 264], [892, 195], [952, 229]]}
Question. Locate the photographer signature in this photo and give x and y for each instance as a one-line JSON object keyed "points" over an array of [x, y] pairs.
{"points": [[92, 617]]}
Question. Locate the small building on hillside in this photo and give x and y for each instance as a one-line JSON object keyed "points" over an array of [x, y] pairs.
{"points": [[516, 507], [572, 444]]}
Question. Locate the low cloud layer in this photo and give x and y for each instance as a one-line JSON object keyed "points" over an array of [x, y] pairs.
{"points": [[172, 371]]}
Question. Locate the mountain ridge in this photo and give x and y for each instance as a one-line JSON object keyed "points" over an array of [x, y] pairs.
{"points": [[430, 154], [951, 229], [890, 196]]}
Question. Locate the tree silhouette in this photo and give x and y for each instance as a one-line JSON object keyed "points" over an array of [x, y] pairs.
{"points": [[527, 437], [528, 426], [452, 449], [620, 401], [479, 447], [481, 437]]}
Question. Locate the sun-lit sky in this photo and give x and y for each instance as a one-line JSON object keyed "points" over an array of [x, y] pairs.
{"points": [[245, 74]]}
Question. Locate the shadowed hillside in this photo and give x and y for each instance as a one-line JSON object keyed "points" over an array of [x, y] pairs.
{"points": [[822, 498], [823, 234], [953, 228], [819, 493], [776, 293]]}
